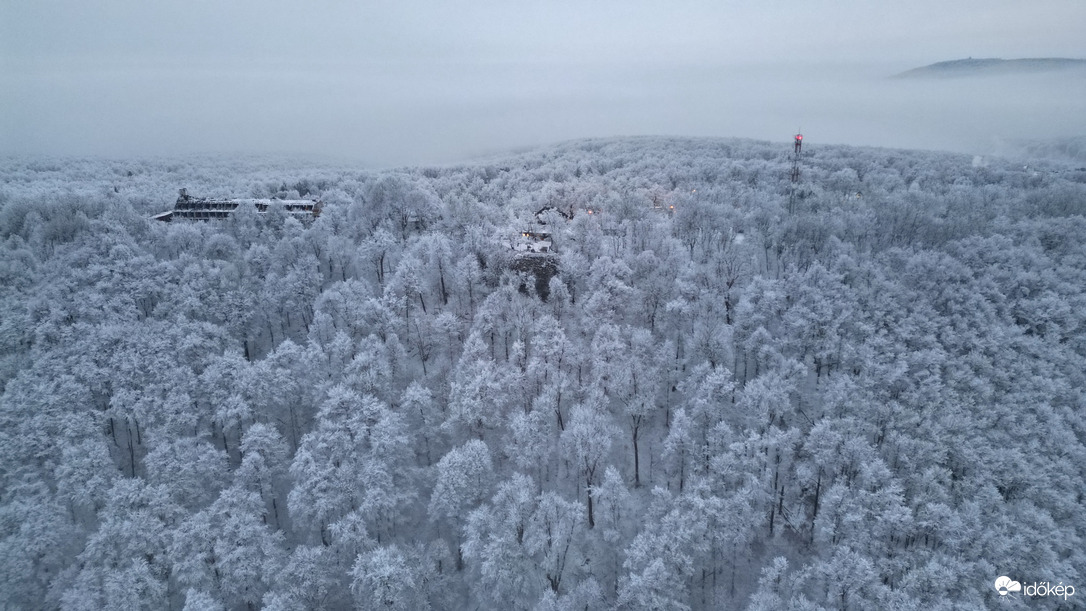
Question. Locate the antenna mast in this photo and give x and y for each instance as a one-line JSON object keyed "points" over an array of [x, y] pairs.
{"points": [[795, 171]]}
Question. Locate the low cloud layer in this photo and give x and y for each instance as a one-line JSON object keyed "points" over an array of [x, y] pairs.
{"points": [[403, 84]]}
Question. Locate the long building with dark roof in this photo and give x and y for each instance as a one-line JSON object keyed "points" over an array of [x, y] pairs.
{"points": [[208, 209]]}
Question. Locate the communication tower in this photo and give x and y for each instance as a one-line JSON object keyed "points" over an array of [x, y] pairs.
{"points": [[795, 172]]}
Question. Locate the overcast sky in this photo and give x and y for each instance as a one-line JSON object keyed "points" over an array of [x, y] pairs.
{"points": [[418, 82]]}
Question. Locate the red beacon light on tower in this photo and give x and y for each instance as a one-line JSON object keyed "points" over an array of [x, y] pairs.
{"points": [[799, 142]]}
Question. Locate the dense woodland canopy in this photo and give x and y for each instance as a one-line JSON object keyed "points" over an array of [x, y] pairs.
{"points": [[868, 395]]}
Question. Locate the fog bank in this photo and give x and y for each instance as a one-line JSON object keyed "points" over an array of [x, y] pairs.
{"points": [[392, 115]]}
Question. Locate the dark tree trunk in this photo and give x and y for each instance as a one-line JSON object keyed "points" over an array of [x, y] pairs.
{"points": [[591, 515]]}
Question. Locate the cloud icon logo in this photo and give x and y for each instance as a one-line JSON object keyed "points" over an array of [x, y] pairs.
{"points": [[1004, 585]]}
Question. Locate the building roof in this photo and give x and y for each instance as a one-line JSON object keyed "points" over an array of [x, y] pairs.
{"points": [[206, 208]]}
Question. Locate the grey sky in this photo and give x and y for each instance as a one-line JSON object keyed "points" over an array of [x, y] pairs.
{"points": [[416, 82]]}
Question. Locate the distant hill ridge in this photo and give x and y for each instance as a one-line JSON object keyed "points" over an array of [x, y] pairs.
{"points": [[990, 66]]}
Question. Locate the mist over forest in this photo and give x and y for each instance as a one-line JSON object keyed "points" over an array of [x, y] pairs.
{"points": [[391, 115], [621, 373]]}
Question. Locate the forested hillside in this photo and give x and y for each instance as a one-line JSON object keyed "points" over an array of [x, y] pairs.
{"points": [[866, 396]]}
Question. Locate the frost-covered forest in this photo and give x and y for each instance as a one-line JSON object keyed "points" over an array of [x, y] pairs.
{"points": [[712, 393]]}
